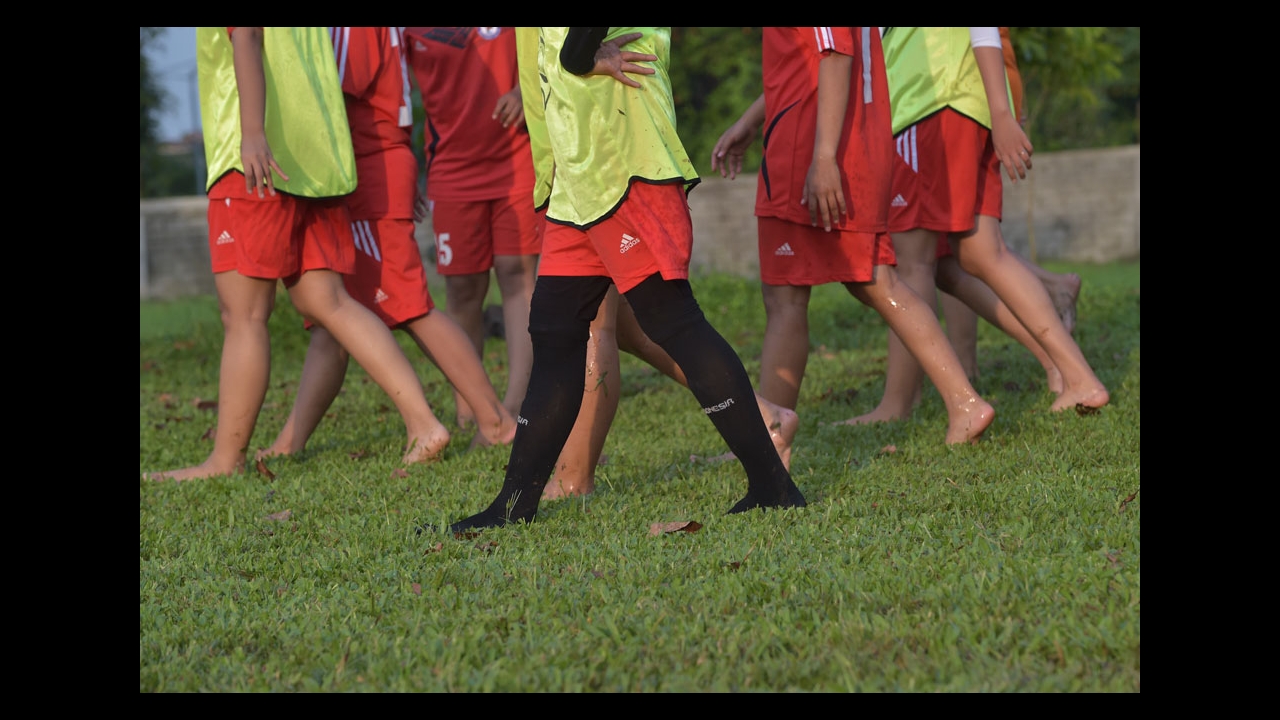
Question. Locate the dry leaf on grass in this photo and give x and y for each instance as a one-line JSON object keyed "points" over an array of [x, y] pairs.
{"points": [[282, 515], [888, 449], [262, 468], [205, 404], [689, 526], [417, 588], [399, 473]]}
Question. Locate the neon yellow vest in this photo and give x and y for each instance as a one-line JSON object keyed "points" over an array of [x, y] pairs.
{"points": [[604, 133], [528, 42], [930, 68], [306, 118]]}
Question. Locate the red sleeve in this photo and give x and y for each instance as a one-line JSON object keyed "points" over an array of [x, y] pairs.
{"points": [[359, 54]]}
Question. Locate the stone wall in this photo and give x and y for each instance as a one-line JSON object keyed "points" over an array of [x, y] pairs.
{"points": [[1076, 206]]}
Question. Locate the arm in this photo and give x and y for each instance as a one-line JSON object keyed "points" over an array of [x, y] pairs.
{"points": [[732, 145], [823, 192], [251, 84], [584, 55], [510, 108], [1011, 143]]}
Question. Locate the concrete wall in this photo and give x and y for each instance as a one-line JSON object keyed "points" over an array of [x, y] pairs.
{"points": [[1077, 206]]}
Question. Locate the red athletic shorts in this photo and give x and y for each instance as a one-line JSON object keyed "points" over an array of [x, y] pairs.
{"points": [[277, 236], [389, 277], [946, 174], [650, 232], [794, 254], [470, 234]]}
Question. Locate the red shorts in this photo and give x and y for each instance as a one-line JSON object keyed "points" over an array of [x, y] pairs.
{"points": [[793, 254], [946, 174], [276, 237], [470, 234], [389, 277], [650, 232]]}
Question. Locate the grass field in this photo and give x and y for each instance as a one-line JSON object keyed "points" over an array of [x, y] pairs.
{"points": [[1009, 566]]}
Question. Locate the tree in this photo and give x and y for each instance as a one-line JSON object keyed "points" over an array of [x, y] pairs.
{"points": [[716, 74], [151, 100], [1081, 85]]}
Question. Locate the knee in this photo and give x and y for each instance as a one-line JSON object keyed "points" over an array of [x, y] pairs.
{"points": [[563, 308], [664, 308]]}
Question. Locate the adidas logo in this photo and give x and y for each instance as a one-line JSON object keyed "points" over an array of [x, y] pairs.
{"points": [[899, 201], [225, 238], [628, 242], [784, 250], [380, 296]]}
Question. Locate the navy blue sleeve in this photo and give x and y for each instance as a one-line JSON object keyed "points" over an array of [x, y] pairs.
{"points": [[578, 55]]}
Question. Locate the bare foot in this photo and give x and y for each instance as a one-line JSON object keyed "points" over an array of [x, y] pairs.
{"points": [[783, 424], [270, 452], [969, 421], [875, 416], [206, 469], [558, 488], [426, 448], [503, 433], [1053, 377], [1090, 398], [1065, 293]]}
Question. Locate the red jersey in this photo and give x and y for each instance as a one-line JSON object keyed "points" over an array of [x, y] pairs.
{"points": [[375, 84], [866, 151], [461, 72]]}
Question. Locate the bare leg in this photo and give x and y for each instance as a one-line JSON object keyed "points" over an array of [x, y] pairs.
{"points": [[917, 252], [1064, 290], [971, 292], [575, 472], [913, 320], [245, 304], [323, 372], [785, 351], [516, 275], [983, 254], [962, 329], [443, 341], [320, 296], [464, 301], [782, 422]]}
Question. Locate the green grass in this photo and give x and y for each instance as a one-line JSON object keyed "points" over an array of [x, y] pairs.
{"points": [[1010, 566]]}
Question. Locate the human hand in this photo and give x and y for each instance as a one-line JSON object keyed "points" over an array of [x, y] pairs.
{"points": [[1012, 146], [823, 193], [255, 155], [420, 206], [732, 146], [615, 62], [510, 108]]}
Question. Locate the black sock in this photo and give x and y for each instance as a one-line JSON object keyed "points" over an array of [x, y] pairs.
{"points": [[560, 316], [670, 316]]}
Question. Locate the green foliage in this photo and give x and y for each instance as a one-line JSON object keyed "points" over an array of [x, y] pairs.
{"points": [[161, 172], [1010, 566], [1081, 85], [151, 100], [715, 75]]}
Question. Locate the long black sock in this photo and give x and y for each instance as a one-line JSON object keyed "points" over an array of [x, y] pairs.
{"points": [[671, 317], [560, 316]]}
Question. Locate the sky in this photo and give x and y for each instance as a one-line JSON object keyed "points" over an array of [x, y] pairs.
{"points": [[173, 64]]}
